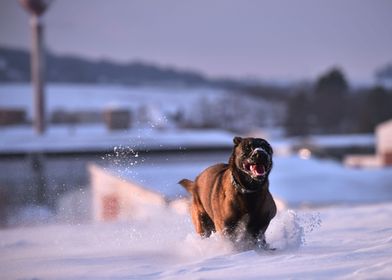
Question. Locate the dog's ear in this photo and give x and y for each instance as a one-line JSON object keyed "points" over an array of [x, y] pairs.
{"points": [[268, 146], [237, 140], [271, 151]]}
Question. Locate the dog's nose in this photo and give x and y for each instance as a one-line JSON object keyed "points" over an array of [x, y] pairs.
{"points": [[260, 153]]}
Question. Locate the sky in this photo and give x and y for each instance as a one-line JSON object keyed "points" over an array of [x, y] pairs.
{"points": [[269, 40]]}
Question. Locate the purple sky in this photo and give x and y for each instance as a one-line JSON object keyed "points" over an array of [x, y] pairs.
{"points": [[261, 39]]}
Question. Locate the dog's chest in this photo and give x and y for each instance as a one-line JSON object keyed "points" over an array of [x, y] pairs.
{"points": [[245, 205]]}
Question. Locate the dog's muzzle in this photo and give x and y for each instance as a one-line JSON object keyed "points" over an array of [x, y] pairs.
{"points": [[258, 163]]}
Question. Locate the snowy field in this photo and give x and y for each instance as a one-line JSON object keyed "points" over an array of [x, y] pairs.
{"points": [[83, 138], [297, 182], [345, 234], [328, 243]]}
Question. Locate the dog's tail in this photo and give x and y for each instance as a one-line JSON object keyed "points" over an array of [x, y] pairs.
{"points": [[188, 185]]}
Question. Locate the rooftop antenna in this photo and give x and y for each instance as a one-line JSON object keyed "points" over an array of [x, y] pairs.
{"points": [[37, 8]]}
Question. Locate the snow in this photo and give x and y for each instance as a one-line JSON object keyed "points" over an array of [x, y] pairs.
{"points": [[82, 138], [342, 240], [298, 182], [73, 97], [323, 182], [336, 225], [161, 106], [337, 141], [327, 243]]}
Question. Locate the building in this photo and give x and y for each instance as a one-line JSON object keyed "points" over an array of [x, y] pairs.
{"points": [[117, 199], [383, 156]]}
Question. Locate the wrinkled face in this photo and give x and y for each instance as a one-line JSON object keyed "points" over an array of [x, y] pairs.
{"points": [[253, 156]]}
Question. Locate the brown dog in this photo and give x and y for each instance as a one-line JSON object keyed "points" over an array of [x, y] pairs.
{"points": [[233, 198]]}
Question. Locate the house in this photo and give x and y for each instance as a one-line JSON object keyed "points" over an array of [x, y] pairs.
{"points": [[384, 142], [383, 156]]}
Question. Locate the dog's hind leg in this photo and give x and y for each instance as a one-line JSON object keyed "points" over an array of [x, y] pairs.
{"points": [[204, 226], [207, 225]]}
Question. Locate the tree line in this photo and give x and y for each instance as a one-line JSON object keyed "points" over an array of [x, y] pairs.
{"points": [[330, 106]]}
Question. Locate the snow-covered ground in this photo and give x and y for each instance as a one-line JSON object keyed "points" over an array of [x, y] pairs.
{"points": [[328, 243], [337, 141], [298, 182], [341, 241], [83, 138]]}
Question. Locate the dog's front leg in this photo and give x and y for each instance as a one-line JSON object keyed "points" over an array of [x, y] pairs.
{"points": [[229, 229], [260, 241]]}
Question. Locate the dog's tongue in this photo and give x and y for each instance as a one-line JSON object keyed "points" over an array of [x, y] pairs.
{"points": [[257, 169]]}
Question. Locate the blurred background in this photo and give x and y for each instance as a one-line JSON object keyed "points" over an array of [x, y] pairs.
{"points": [[136, 95]]}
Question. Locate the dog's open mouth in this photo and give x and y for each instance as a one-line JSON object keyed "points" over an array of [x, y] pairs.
{"points": [[255, 169]]}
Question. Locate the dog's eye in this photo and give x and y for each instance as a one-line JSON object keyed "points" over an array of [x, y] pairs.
{"points": [[246, 151], [248, 148]]}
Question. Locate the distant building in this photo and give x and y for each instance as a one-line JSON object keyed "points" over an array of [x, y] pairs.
{"points": [[383, 156], [117, 118], [384, 142], [118, 199]]}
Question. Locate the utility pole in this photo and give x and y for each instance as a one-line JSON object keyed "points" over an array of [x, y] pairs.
{"points": [[37, 8]]}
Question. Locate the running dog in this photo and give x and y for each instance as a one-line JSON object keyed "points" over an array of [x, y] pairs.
{"points": [[234, 198]]}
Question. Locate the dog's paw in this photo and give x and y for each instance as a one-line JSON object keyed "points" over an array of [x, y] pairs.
{"points": [[262, 245]]}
